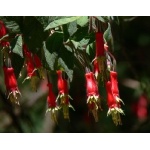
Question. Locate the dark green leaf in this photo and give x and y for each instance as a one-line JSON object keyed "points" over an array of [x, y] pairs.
{"points": [[14, 24], [81, 33], [33, 33], [49, 58], [66, 63], [65, 31], [17, 63], [45, 20], [90, 50], [82, 21], [17, 46], [61, 21], [108, 34], [54, 42]]}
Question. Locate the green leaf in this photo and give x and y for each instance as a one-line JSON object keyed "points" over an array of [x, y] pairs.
{"points": [[83, 43], [108, 34], [54, 42], [82, 21], [65, 31], [13, 23], [17, 46], [50, 58], [90, 50], [45, 20], [66, 60], [61, 21], [81, 33], [17, 63], [75, 44], [72, 28], [34, 34]]}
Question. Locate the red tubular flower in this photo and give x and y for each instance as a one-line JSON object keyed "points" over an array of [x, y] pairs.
{"points": [[96, 68], [114, 106], [93, 99], [30, 66], [100, 59], [3, 32], [115, 90], [51, 101], [64, 96], [38, 65], [99, 44], [11, 85]]}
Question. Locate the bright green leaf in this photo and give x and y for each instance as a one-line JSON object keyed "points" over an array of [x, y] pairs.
{"points": [[72, 28], [82, 21], [75, 44], [61, 21], [17, 46], [50, 58]]}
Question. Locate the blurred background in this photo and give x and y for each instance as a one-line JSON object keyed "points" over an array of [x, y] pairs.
{"points": [[132, 52]]}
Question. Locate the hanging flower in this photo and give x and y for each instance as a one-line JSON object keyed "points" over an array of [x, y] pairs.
{"points": [[39, 66], [31, 74], [11, 85], [63, 95], [93, 100], [114, 106], [115, 90], [100, 59], [51, 101], [3, 32]]}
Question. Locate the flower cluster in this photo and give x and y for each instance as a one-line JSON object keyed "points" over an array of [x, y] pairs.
{"points": [[104, 66], [93, 100], [102, 71], [63, 95], [32, 63]]}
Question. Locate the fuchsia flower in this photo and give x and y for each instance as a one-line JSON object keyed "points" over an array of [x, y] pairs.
{"points": [[99, 44], [99, 60], [115, 90], [3, 32], [51, 101], [93, 99], [11, 85], [114, 106], [38, 65], [64, 96], [30, 66]]}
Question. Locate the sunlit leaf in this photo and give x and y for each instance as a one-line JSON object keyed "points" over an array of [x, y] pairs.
{"points": [[17, 46], [61, 21]]}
